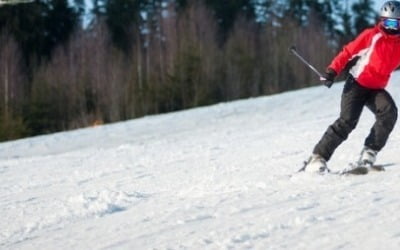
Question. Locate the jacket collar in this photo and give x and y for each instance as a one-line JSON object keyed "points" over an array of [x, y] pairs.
{"points": [[386, 35]]}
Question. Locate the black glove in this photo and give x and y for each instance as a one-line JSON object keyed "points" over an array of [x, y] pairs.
{"points": [[329, 77]]}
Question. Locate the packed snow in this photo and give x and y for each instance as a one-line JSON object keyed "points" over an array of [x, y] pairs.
{"points": [[218, 177]]}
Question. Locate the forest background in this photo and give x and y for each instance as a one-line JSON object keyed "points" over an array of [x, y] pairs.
{"points": [[64, 66]]}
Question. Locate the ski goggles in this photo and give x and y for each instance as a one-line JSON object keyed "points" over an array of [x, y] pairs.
{"points": [[391, 23]]}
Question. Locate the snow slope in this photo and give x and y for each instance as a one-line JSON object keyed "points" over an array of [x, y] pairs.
{"points": [[219, 177]]}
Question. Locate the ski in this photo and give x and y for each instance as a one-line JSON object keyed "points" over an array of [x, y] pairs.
{"points": [[358, 170], [378, 167], [353, 169]]}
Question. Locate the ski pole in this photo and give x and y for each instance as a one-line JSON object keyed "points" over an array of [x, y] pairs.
{"points": [[294, 52]]}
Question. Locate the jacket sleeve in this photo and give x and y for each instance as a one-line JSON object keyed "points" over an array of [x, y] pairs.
{"points": [[351, 50]]}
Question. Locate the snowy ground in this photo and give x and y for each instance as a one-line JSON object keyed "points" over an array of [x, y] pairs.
{"points": [[220, 177]]}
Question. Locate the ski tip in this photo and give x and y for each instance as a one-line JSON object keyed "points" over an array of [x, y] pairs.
{"points": [[355, 171], [378, 167], [292, 48]]}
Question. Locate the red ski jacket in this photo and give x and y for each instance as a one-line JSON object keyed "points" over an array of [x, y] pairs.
{"points": [[378, 56]]}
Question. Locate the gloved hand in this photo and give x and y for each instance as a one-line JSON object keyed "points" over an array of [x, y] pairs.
{"points": [[329, 77]]}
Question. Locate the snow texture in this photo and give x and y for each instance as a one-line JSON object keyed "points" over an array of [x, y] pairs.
{"points": [[218, 177]]}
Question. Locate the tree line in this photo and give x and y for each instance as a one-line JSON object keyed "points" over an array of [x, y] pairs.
{"points": [[63, 67]]}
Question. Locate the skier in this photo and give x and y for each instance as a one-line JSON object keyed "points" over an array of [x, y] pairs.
{"points": [[376, 52]]}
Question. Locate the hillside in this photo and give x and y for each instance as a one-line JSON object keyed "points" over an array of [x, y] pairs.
{"points": [[218, 177]]}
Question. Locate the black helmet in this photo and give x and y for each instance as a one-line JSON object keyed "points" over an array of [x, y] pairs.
{"points": [[391, 9]]}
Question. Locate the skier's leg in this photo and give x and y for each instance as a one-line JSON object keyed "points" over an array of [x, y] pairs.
{"points": [[385, 110], [353, 99]]}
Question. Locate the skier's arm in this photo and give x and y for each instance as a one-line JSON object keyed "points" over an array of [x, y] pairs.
{"points": [[350, 51]]}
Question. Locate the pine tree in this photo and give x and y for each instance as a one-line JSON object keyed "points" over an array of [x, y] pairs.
{"points": [[227, 11], [364, 14], [40, 26], [298, 11], [120, 16], [348, 30]]}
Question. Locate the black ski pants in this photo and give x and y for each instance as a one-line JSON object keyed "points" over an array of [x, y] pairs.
{"points": [[354, 98]]}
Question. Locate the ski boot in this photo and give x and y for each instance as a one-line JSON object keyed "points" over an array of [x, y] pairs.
{"points": [[365, 163], [368, 158], [315, 164]]}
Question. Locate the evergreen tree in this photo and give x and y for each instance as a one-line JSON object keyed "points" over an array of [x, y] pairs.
{"points": [[263, 10], [60, 22], [181, 3], [327, 15], [120, 16], [323, 12], [227, 11], [364, 14], [348, 30], [40, 26], [298, 10]]}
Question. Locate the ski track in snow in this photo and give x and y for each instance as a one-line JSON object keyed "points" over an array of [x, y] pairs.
{"points": [[219, 177]]}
